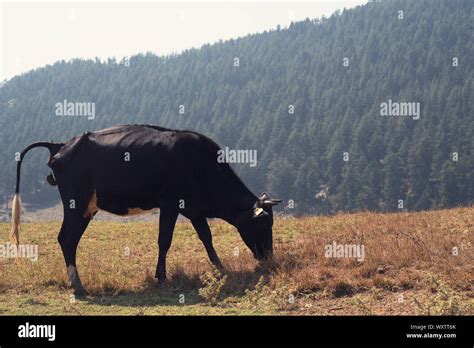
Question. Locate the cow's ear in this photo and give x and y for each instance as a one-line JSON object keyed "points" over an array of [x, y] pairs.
{"points": [[258, 212]]}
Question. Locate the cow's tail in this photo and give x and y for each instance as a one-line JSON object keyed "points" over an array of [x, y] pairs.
{"points": [[16, 205], [16, 209]]}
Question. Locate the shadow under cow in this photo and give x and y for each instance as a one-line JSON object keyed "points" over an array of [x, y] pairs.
{"points": [[171, 293]]}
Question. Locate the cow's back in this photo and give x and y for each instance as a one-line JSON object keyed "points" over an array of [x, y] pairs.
{"points": [[144, 166]]}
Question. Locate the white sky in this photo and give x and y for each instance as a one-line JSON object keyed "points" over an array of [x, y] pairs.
{"points": [[36, 33]]}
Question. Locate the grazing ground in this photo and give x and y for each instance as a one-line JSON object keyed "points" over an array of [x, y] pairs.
{"points": [[415, 263]]}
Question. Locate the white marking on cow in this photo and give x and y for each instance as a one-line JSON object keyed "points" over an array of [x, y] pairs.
{"points": [[138, 211], [92, 207]]}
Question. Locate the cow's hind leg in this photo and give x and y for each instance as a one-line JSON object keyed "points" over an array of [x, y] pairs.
{"points": [[202, 228], [168, 218], [71, 232]]}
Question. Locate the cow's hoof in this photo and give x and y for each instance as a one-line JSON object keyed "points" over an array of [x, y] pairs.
{"points": [[219, 267], [161, 278], [81, 293]]}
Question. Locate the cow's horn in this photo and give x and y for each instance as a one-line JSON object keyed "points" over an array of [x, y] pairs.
{"points": [[272, 202]]}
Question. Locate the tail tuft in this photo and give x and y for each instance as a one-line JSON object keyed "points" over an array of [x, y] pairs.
{"points": [[16, 211]]}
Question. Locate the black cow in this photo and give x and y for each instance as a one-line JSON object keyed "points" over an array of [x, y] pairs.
{"points": [[132, 169]]}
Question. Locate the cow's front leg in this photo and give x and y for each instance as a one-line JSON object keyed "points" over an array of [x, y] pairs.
{"points": [[168, 218], [71, 232], [202, 228]]}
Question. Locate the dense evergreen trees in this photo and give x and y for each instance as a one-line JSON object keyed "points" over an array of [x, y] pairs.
{"points": [[306, 97]]}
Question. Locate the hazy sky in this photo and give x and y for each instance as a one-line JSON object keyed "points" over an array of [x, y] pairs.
{"points": [[36, 33]]}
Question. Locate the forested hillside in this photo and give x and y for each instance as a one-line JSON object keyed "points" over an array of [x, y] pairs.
{"points": [[307, 98]]}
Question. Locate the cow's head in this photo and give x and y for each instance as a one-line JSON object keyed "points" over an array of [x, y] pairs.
{"points": [[255, 227]]}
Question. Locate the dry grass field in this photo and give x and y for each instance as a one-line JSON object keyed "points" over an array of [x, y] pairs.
{"points": [[415, 263]]}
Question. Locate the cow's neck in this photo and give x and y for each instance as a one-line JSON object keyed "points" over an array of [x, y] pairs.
{"points": [[232, 195], [235, 206]]}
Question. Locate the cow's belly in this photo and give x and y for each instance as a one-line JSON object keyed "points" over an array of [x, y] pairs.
{"points": [[118, 206]]}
